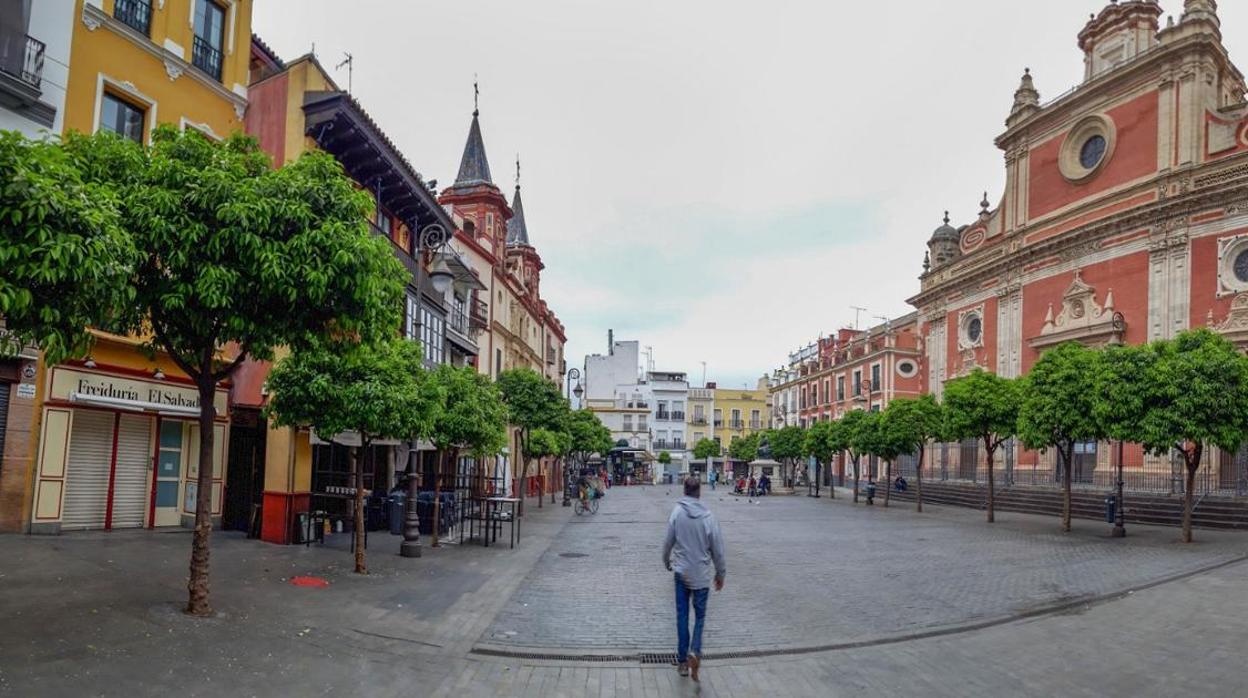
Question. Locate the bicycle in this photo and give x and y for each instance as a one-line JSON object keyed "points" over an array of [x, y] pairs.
{"points": [[580, 507]]}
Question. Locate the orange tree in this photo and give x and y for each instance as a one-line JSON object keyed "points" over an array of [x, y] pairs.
{"points": [[915, 422], [983, 406], [235, 259]]}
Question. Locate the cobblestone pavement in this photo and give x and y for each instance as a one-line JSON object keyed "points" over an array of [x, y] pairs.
{"points": [[97, 614], [809, 572]]}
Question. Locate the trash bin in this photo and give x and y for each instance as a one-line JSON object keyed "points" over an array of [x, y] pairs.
{"points": [[1111, 508], [396, 511]]}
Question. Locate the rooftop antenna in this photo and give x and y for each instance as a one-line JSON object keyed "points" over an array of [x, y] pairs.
{"points": [[883, 319], [349, 61], [857, 314], [703, 374]]}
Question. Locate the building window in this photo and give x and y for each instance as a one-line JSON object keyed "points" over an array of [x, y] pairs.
{"points": [[410, 318], [383, 221], [208, 44], [755, 422], [857, 383], [840, 388], [628, 422], [432, 336], [122, 118], [875, 378], [498, 362], [136, 14], [641, 422]]}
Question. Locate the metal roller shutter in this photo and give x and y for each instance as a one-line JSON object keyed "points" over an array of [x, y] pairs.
{"points": [[86, 478], [130, 485], [5, 389]]}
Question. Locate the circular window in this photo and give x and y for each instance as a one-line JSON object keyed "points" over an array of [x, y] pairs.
{"points": [[906, 369], [1086, 148], [1241, 265], [1092, 152], [974, 329]]}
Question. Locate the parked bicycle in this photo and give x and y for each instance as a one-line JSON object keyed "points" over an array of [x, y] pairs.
{"points": [[581, 507]]}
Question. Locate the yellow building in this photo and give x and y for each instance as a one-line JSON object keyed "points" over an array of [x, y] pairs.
{"points": [[104, 421], [738, 412]]}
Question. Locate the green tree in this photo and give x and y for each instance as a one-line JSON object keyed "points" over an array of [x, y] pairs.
{"points": [[665, 458], [705, 448], [1196, 393], [857, 431], [888, 444], [472, 418], [744, 448], [787, 445], [1060, 407], [824, 441], [983, 406], [915, 422], [375, 391], [532, 403], [65, 257], [589, 436], [240, 256]]}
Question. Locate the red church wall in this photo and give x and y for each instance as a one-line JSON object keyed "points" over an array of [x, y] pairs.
{"points": [[985, 356], [1134, 156], [1126, 275], [1204, 290], [266, 116]]}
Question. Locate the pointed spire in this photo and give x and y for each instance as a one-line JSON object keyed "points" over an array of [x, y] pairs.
{"points": [[474, 168], [517, 229], [1026, 97]]}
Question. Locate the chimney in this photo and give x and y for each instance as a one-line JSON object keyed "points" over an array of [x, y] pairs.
{"points": [[610, 342], [711, 385]]}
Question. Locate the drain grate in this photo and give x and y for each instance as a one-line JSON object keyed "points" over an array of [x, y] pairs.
{"points": [[657, 658], [555, 656], [573, 554]]}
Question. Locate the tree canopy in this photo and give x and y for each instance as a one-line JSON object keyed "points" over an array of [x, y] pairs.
{"points": [[787, 443], [914, 422], [664, 457], [744, 448], [472, 416], [705, 448], [983, 406], [825, 440], [65, 255], [589, 435]]}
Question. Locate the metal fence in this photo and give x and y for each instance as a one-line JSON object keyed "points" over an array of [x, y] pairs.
{"points": [[1094, 466]]}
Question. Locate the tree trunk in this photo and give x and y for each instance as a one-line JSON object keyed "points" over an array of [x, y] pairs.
{"points": [[918, 481], [197, 584], [437, 497], [831, 487], [888, 480], [1193, 464], [855, 462], [357, 469], [1066, 454], [992, 517]]}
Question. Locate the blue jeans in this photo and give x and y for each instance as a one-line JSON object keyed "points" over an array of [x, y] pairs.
{"points": [[684, 596]]}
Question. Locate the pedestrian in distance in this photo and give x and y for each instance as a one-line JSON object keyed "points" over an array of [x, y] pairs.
{"points": [[712, 479], [694, 552]]}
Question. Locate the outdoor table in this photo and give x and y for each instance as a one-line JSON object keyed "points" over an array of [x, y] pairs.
{"points": [[318, 516], [493, 520]]}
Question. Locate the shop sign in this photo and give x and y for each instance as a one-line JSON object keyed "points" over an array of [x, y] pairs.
{"points": [[26, 390], [66, 381]]}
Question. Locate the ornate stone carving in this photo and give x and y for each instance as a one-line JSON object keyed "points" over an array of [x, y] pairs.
{"points": [[1235, 325], [172, 69], [91, 22], [240, 110], [1081, 318]]}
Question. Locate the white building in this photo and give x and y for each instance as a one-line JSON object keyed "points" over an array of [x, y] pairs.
{"points": [[616, 394], [34, 65], [670, 392]]}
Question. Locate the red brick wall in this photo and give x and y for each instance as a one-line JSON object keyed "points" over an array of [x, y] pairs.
{"points": [[1204, 267], [1134, 156], [985, 356], [266, 116], [1127, 276]]}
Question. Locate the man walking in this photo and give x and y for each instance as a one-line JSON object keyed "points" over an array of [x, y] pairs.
{"points": [[694, 551]]}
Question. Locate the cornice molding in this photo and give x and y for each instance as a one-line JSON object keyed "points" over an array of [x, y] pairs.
{"points": [[94, 18]]}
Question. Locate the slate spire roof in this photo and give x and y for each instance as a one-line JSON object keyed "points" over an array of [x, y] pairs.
{"points": [[517, 230], [473, 167]]}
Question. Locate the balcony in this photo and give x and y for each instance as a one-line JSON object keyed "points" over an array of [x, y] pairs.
{"points": [[457, 320], [206, 58], [552, 357], [136, 14], [736, 425], [663, 416], [638, 405], [478, 316], [678, 445], [719, 424], [699, 421], [755, 424], [678, 416], [661, 445]]}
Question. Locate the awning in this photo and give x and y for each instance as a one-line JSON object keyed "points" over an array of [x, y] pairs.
{"points": [[118, 403], [464, 277], [351, 439]]}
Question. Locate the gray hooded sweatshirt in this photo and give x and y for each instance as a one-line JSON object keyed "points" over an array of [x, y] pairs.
{"points": [[693, 535]]}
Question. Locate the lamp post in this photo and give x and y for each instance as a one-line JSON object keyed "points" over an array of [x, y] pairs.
{"points": [[574, 374], [432, 239]]}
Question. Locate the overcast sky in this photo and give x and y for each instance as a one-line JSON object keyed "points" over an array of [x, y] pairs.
{"points": [[721, 180]]}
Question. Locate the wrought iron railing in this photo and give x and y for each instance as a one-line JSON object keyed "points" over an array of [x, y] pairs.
{"points": [[678, 416], [22, 57], [206, 58], [136, 14], [458, 321]]}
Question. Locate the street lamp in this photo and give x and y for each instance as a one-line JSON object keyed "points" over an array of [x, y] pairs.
{"points": [[866, 385], [574, 374], [432, 238]]}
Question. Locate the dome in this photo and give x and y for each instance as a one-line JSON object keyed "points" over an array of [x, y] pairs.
{"points": [[946, 232]]}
